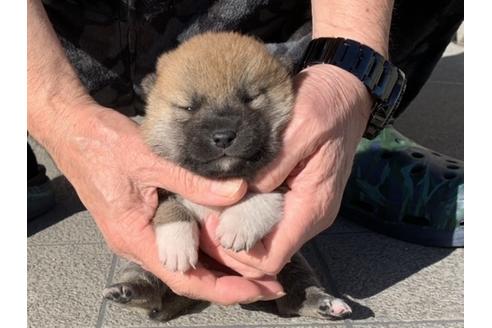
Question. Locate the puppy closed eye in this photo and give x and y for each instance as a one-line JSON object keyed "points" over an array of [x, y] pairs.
{"points": [[253, 99], [188, 104], [188, 108]]}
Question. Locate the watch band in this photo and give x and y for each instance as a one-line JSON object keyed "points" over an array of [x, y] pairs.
{"points": [[385, 82]]}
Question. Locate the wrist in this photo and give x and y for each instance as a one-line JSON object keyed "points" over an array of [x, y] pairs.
{"points": [[55, 95], [367, 22], [384, 81], [334, 82], [373, 41], [53, 123]]}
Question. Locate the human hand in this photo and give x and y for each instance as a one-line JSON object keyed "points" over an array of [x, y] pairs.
{"points": [[330, 115], [115, 175]]}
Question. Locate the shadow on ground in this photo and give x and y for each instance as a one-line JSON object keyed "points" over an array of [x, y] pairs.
{"points": [[362, 265], [351, 265], [67, 204], [356, 266], [435, 117]]}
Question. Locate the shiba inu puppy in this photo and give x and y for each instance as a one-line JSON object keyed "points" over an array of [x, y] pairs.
{"points": [[217, 106]]}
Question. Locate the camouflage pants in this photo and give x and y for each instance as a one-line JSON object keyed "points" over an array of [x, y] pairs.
{"points": [[113, 44]]}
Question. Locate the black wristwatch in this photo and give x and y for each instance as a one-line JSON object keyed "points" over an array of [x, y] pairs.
{"points": [[385, 82]]}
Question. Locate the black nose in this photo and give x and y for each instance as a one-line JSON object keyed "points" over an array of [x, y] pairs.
{"points": [[224, 138]]}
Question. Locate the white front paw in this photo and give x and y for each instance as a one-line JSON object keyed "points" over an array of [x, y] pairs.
{"points": [[177, 244], [233, 235], [245, 223]]}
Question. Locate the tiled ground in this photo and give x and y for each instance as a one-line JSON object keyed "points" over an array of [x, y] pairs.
{"points": [[389, 283]]}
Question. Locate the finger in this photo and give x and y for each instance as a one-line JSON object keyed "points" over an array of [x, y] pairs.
{"points": [[276, 249], [210, 245], [203, 284], [215, 266], [174, 178], [310, 207], [274, 174], [299, 142], [263, 259]]}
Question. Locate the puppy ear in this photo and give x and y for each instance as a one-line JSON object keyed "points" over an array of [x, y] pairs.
{"points": [[288, 63], [147, 84], [290, 53], [281, 53], [163, 61]]}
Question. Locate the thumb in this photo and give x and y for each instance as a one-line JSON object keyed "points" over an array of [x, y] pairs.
{"points": [[274, 174], [198, 189]]}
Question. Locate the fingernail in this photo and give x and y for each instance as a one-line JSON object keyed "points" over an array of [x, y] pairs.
{"points": [[227, 188], [271, 298], [256, 299]]}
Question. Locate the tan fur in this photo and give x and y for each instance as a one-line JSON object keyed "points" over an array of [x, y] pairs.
{"points": [[212, 66], [215, 70], [222, 60]]}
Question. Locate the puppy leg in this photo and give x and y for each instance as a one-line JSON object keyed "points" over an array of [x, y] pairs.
{"points": [[132, 293], [305, 296], [136, 287], [176, 231], [140, 288], [172, 306], [243, 224]]}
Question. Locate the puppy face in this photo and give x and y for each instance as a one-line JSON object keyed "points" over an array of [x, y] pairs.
{"points": [[219, 105]]}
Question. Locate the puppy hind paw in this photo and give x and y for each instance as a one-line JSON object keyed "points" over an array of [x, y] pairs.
{"points": [[333, 308], [120, 293]]}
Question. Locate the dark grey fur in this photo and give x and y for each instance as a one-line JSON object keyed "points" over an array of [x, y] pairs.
{"points": [[305, 295]]}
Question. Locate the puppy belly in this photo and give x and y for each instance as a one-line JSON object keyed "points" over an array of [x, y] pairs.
{"points": [[240, 227], [201, 212], [243, 224]]}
